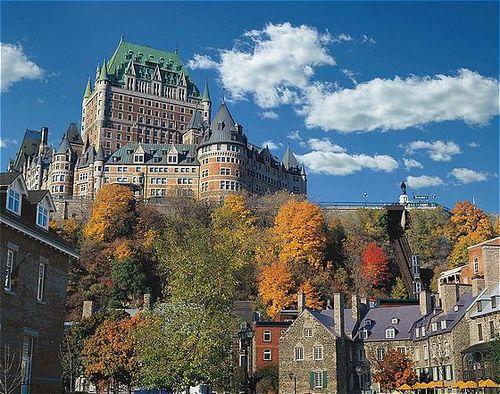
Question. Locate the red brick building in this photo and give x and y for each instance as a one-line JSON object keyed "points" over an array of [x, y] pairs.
{"points": [[266, 342], [34, 269]]}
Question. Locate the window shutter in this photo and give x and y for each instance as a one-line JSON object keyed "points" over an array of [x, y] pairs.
{"points": [[325, 379], [311, 380]]}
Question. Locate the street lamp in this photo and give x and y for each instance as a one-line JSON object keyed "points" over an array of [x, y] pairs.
{"points": [[246, 335], [292, 376], [365, 196]]}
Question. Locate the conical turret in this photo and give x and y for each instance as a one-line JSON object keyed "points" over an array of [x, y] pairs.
{"points": [[88, 89], [103, 76], [206, 94], [289, 159]]}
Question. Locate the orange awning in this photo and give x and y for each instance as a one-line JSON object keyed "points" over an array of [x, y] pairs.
{"points": [[488, 383], [404, 387], [470, 385]]}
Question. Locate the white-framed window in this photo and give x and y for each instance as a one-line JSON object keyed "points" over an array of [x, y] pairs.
{"points": [[417, 354], [299, 353], [422, 331], [267, 356], [364, 334], [417, 332], [308, 332], [11, 255], [426, 352], [42, 217], [434, 326], [476, 265], [368, 322], [380, 353], [401, 349], [318, 353], [266, 336], [318, 379], [443, 324], [41, 282], [390, 333], [14, 201], [394, 320]]}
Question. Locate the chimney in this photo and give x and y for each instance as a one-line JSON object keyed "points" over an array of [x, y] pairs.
{"points": [[45, 135], [425, 301], [356, 308], [301, 301], [477, 283], [338, 314], [88, 309], [450, 293], [146, 301]]}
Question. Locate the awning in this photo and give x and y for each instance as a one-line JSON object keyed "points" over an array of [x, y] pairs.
{"points": [[488, 383]]}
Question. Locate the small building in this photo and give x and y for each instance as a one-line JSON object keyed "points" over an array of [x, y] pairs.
{"points": [[35, 262], [266, 343]]}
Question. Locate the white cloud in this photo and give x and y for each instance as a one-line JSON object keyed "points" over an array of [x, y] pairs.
{"points": [[342, 37], [331, 159], [294, 135], [349, 74], [423, 181], [396, 104], [367, 40], [324, 145], [269, 115], [437, 150], [4, 142], [411, 163], [272, 145], [279, 62], [466, 175], [15, 66], [474, 145]]}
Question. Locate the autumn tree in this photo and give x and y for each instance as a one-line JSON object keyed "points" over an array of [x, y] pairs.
{"points": [[112, 213], [375, 267], [399, 289], [393, 370], [468, 225], [109, 355], [313, 298], [276, 286]]}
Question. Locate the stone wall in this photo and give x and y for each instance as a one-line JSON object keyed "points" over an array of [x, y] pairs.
{"points": [[79, 208]]}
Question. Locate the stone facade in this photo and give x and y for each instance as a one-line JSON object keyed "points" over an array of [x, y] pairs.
{"points": [[32, 298]]}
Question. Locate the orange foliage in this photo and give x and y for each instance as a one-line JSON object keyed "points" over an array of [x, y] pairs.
{"points": [[374, 266], [112, 213], [299, 233], [313, 300], [394, 370], [276, 286]]}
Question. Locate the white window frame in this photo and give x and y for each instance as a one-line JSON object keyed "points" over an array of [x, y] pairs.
{"points": [[14, 201], [390, 333], [267, 355], [267, 336], [42, 216], [318, 379], [308, 333], [318, 353], [299, 353], [476, 265], [443, 324], [41, 281], [434, 326]]}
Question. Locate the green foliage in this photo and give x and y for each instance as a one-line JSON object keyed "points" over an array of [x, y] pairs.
{"points": [[493, 358], [399, 289], [426, 236], [268, 379], [129, 281]]}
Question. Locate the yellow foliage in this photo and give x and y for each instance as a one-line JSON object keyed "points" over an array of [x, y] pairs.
{"points": [[276, 286], [122, 250], [299, 233], [112, 213]]}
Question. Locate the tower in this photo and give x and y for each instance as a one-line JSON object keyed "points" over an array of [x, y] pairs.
{"points": [[222, 154], [206, 102], [86, 97]]}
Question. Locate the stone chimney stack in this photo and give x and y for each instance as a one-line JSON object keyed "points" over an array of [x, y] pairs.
{"points": [[356, 308], [450, 293], [425, 301], [301, 301], [338, 314], [88, 309]]}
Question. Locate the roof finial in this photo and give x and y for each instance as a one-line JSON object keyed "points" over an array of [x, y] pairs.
{"points": [[223, 95], [122, 38]]}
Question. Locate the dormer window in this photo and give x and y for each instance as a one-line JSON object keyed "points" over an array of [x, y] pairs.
{"points": [[476, 265], [138, 158], [368, 322], [493, 302], [417, 332], [390, 333], [422, 330], [14, 201], [456, 308], [172, 159], [220, 125], [434, 326], [394, 320], [443, 324], [364, 334], [42, 217], [479, 306]]}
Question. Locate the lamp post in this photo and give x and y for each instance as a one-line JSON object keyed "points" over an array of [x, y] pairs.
{"points": [[246, 336], [365, 196], [292, 376]]}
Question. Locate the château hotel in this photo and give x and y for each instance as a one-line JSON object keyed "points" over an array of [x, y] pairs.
{"points": [[146, 125]]}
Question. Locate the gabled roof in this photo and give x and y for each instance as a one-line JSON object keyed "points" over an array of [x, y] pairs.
{"points": [[64, 146], [36, 196], [6, 178], [289, 159], [223, 120], [73, 134]]}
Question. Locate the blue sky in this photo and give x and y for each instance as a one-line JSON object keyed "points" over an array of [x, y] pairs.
{"points": [[366, 94]]}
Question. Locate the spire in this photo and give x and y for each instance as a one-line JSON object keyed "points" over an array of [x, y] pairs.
{"points": [[100, 154], [88, 90], [103, 76], [206, 94], [289, 159]]}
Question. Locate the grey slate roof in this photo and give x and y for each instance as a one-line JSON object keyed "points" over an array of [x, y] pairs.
{"points": [[485, 297], [289, 159], [155, 154], [223, 117], [73, 134], [196, 121], [380, 318], [64, 146], [28, 148], [6, 178], [35, 196], [325, 317]]}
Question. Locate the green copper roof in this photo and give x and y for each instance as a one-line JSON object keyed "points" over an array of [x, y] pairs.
{"points": [[88, 90], [206, 94], [103, 76]]}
